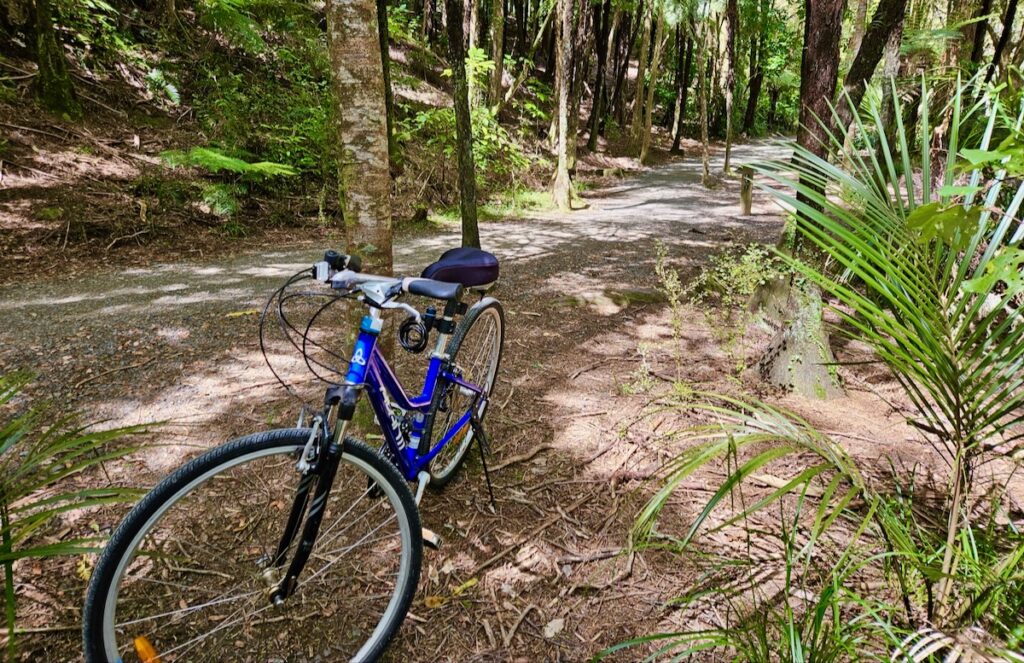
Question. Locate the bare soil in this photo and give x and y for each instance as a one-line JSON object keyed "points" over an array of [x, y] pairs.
{"points": [[580, 425]]}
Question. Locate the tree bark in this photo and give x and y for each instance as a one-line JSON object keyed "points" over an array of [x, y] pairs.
{"points": [[497, 49], [979, 29], [819, 70], [364, 181], [562, 186], [53, 83], [648, 111], [636, 124], [799, 357], [602, 23], [859, 26], [618, 105], [1004, 38], [888, 17], [683, 94], [702, 102], [463, 125], [732, 17]]}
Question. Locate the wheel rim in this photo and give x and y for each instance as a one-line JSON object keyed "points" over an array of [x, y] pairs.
{"points": [[224, 611], [477, 360]]}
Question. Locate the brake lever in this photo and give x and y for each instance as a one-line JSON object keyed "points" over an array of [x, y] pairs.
{"points": [[408, 308]]}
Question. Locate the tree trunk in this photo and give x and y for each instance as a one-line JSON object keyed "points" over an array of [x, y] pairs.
{"points": [[799, 357], [859, 26], [385, 56], [1004, 38], [819, 69], [497, 49], [677, 73], [648, 112], [601, 26], [636, 124], [732, 17], [618, 105], [756, 82], [53, 83], [887, 19], [773, 106], [562, 186], [980, 29], [702, 101], [683, 94], [463, 125]]}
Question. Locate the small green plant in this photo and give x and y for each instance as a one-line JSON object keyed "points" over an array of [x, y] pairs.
{"points": [[725, 286], [640, 381], [216, 161], [42, 459]]}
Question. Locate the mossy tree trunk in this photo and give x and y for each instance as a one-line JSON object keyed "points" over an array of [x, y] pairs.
{"points": [[648, 109], [53, 84], [497, 50], [463, 125]]}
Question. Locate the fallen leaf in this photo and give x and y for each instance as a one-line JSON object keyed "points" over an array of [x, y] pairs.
{"points": [[433, 601], [554, 627], [464, 586]]}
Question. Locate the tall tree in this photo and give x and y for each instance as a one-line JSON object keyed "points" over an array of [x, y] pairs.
{"points": [[980, 29], [732, 17], [602, 23], [819, 72], [636, 124], [756, 77], [53, 83], [1004, 39], [463, 124], [497, 50], [888, 17], [364, 180], [385, 56], [683, 93], [799, 357], [648, 109], [702, 101], [562, 185]]}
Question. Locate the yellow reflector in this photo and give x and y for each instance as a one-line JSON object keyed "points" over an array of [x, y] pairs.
{"points": [[145, 650]]}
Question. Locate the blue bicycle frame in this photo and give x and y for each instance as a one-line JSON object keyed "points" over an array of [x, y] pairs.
{"points": [[369, 369]]}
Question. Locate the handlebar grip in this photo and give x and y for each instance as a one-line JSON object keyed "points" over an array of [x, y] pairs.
{"points": [[340, 261]]}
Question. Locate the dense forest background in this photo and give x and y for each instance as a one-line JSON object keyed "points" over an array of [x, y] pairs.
{"points": [[220, 115]]}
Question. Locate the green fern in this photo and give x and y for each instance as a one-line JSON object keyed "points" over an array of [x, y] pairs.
{"points": [[215, 161]]}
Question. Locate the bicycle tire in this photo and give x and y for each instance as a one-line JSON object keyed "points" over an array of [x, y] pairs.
{"points": [[161, 505], [444, 466]]}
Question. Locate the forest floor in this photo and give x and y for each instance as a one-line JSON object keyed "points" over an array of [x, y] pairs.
{"points": [[579, 425]]}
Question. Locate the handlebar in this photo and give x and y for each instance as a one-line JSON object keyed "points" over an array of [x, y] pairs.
{"points": [[342, 272]]}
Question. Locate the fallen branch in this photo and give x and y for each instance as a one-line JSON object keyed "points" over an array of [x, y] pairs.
{"points": [[619, 577], [91, 378], [522, 457], [515, 627], [132, 236]]}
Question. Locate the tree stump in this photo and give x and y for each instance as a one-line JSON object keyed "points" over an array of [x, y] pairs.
{"points": [[747, 189]]}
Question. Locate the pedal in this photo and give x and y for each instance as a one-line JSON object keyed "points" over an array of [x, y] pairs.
{"points": [[431, 539]]}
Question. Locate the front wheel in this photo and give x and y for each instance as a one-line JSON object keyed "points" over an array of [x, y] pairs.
{"points": [[186, 575], [475, 353]]}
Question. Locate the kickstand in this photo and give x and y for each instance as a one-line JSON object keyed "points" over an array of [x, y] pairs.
{"points": [[484, 445]]}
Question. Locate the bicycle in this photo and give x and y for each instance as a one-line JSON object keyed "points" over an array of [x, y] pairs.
{"points": [[305, 544]]}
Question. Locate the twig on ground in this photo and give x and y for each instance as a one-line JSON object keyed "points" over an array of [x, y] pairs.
{"points": [[532, 534], [583, 559], [515, 627], [522, 457], [32, 129], [132, 236], [91, 378]]}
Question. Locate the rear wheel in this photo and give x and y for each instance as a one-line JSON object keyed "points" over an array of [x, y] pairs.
{"points": [[186, 571], [475, 352]]}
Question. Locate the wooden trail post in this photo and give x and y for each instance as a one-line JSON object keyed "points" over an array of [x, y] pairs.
{"points": [[747, 188]]}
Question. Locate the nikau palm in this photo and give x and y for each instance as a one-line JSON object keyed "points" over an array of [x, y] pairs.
{"points": [[919, 249]]}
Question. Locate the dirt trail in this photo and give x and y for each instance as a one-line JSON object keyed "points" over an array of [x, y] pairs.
{"points": [[178, 343]]}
